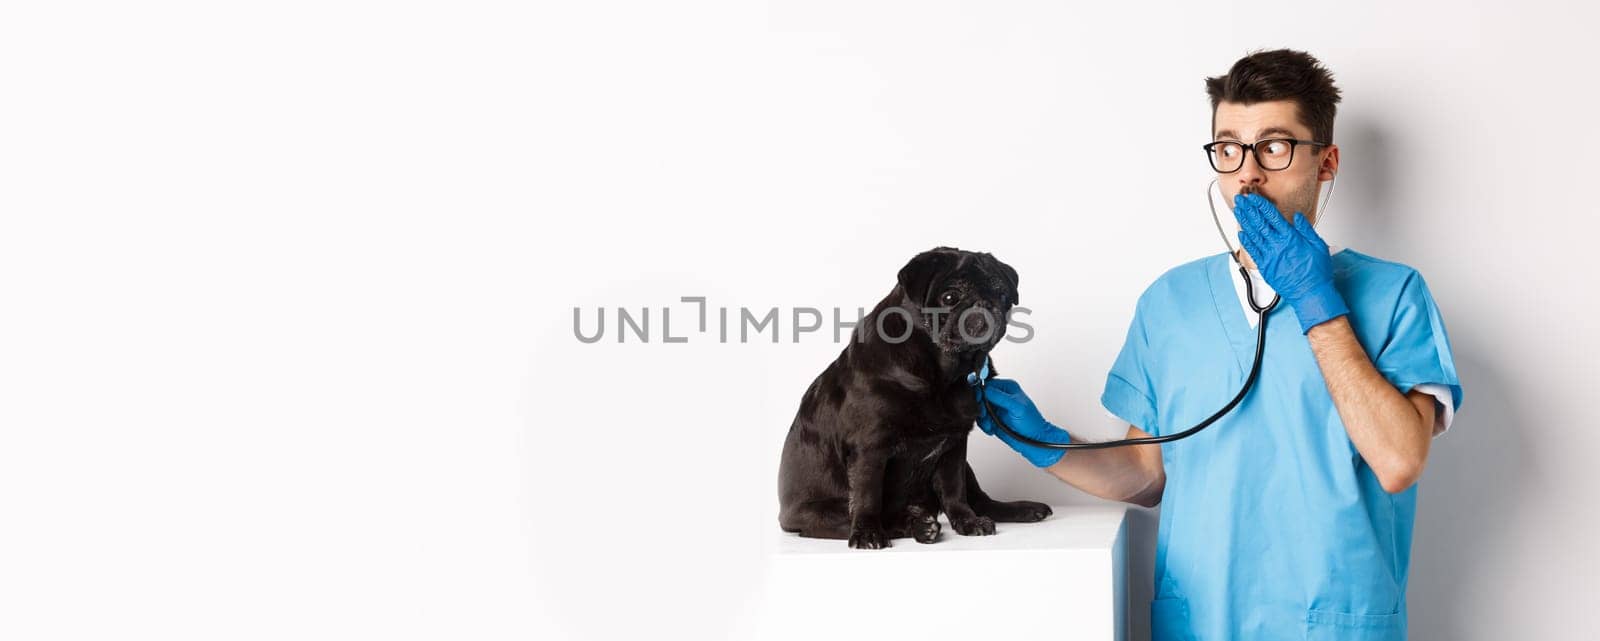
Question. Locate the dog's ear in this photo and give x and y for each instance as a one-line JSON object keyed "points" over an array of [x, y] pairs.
{"points": [[1011, 279], [919, 275], [1007, 277]]}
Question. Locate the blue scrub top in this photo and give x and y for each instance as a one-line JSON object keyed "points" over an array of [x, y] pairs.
{"points": [[1272, 526]]}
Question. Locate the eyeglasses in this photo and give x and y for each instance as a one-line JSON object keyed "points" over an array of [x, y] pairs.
{"points": [[1272, 154]]}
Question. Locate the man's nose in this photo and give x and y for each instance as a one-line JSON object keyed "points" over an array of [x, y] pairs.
{"points": [[1249, 175]]}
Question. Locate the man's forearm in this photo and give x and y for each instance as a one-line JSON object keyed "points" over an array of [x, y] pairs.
{"points": [[1387, 428], [1132, 474]]}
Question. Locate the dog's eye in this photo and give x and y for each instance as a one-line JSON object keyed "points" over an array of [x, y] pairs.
{"points": [[949, 298]]}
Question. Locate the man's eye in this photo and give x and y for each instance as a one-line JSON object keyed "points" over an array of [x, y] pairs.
{"points": [[1277, 147], [949, 298], [1228, 151]]}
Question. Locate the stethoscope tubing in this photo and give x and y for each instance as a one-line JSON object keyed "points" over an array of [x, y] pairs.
{"points": [[1249, 381]]}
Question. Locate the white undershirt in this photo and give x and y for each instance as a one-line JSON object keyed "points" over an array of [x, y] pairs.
{"points": [[1440, 393]]}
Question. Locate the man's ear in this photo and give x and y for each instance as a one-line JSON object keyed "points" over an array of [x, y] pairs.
{"points": [[918, 276], [1329, 166]]}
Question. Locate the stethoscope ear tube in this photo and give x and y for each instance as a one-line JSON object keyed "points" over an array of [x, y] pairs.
{"points": [[1249, 381], [1228, 241]]}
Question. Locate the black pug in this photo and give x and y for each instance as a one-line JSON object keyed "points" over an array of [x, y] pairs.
{"points": [[879, 445]]}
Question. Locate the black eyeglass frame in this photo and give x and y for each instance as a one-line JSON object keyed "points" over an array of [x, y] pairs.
{"points": [[1254, 151]]}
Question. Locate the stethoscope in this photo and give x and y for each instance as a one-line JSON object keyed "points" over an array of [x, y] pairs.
{"points": [[980, 378]]}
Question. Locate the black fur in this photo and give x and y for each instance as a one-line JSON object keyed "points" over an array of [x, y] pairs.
{"points": [[879, 446]]}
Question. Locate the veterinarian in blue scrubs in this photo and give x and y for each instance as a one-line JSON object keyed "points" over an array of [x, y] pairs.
{"points": [[1291, 517]]}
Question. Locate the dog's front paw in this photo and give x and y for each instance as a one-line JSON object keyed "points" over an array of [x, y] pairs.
{"points": [[1018, 511], [868, 538], [973, 526], [924, 527]]}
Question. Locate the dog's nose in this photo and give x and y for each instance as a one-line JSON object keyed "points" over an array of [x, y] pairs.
{"points": [[978, 325]]}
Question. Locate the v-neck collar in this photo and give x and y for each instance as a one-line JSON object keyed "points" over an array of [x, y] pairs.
{"points": [[1264, 291], [1228, 297], [1241, 336]]}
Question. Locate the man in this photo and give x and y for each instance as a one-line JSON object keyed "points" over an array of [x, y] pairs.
{"points": [[1291, 517]]}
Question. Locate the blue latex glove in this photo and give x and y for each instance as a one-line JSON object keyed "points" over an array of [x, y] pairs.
{"points": [[1292, 258], [1018, 412]]}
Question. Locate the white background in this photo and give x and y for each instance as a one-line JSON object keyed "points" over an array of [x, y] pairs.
{"points": [[286, 289]]}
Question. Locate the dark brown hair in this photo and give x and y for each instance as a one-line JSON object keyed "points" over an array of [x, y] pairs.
{"points": [[1280, 74]]}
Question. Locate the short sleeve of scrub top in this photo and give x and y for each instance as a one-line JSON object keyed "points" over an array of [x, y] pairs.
{"points": [[1418, 352], [1129, 393]]}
